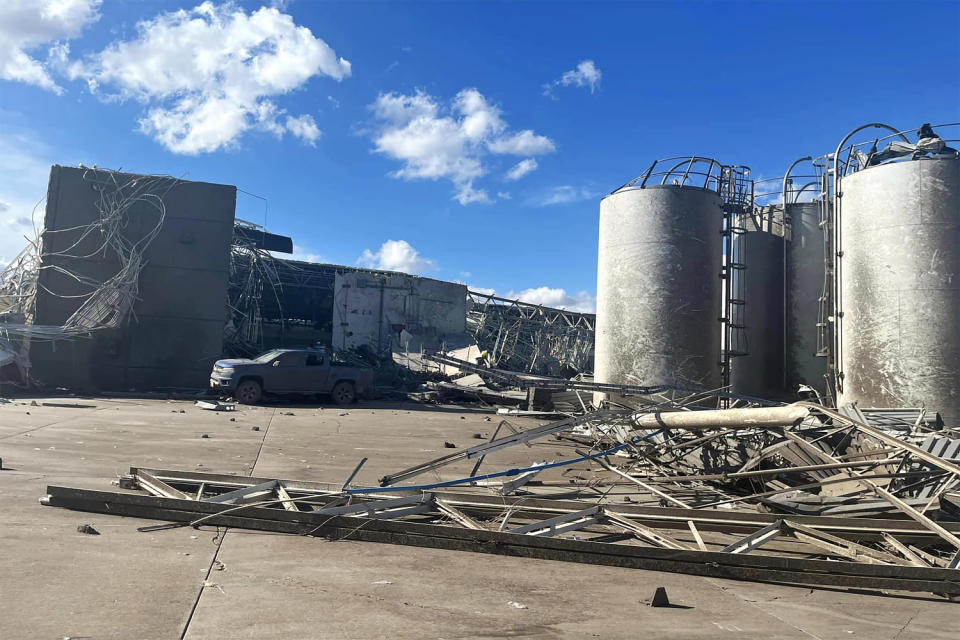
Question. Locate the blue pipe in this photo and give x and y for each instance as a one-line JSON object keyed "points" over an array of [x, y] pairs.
{"points": [[500, 474]]}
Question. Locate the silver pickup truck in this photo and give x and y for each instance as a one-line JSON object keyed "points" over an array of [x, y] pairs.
{"points": [[291, 371]]}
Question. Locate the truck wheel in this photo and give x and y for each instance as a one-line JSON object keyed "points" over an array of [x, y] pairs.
{"points": [[343, 393], [248, 392]]}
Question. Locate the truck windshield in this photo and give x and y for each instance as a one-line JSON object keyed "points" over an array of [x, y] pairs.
{"points": [[268, 356]]}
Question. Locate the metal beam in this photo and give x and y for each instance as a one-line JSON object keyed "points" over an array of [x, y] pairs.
{"points": [[704, 563]]}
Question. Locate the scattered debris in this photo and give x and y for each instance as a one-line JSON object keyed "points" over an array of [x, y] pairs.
{"points": [[88, 529], [215, 406], [517, 605], [449, 445]]}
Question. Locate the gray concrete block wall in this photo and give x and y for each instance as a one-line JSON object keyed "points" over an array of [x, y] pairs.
{"points": [[177, 329]]}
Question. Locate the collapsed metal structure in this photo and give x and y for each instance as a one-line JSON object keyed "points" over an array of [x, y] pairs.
{"points": [[750, 455], [531, 338]]}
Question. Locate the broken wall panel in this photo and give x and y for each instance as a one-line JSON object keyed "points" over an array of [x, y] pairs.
{"points": [[384, 310], [175, 331]]}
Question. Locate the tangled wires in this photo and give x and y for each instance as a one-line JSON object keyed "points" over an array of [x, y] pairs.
{"points": [[120, 198]]}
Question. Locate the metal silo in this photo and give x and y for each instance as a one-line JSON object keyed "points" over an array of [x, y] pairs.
{"points": [[898, 299], [658, 290], [805, 274], [759, 372]]}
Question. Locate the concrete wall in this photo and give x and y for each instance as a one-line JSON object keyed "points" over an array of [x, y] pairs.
{"points": [[381, 311], [177, 329]]}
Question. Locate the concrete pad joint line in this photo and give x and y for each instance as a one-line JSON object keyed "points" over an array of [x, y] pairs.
{"points": [[762, 610], [216, 553], [14, 435]]}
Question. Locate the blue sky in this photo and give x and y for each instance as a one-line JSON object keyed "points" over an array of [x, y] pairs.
{"points": [[477, 137]]}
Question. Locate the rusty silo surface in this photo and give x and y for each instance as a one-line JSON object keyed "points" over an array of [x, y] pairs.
{"points": [[658, 287], [899, 286], [805, 273], [759, 373]]}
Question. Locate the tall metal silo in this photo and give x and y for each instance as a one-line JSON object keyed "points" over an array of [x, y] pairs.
{"points": [[658, 286], [759, 372], [805, 273], [899, 286]]}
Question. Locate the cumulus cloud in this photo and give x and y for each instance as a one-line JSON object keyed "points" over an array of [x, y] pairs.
{"points": [[581, 301], [396, 255], [301, 253], [207, 75], [587, 74], [305, 128], [521, 169], [437, 141], [525, 143], [565, 194], [26, 26], [484, 290], [25, 164]]}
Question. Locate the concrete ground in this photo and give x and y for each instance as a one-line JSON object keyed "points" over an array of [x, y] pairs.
{"points": [[56, 582]]}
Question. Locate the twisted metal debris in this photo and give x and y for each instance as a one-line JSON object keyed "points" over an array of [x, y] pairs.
{"points": [[106, 304], [531, 338]]}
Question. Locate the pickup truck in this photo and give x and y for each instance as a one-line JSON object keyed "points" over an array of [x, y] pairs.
{"points": [[289, 371]]}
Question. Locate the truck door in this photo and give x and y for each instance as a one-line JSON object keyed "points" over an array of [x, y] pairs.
{"points": [[287, 375], [317, 373]]}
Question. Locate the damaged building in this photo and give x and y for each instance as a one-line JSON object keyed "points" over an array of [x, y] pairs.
{"points": [[142, 282], [774, 395]]}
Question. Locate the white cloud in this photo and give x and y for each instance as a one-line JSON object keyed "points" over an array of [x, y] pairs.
{"points": [[465, 274], [27, 25], [565, 194], [435, 141], [301, 253], [484, 290], [304, 128], [521, 169], [25, 165], [504, 195], [581, 301], [525, 143], [587, 74], [207, 75], [396, 255]]}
